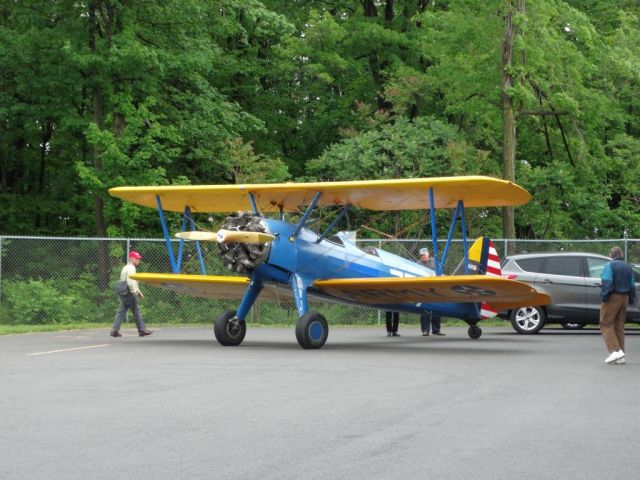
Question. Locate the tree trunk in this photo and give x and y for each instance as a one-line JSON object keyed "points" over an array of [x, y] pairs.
{"points": [[509, 116], [98, 202], [369, 8], [46, 129], [388, 11]]}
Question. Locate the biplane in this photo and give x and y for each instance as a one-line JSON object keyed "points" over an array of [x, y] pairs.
{"points": [[275, 255]]}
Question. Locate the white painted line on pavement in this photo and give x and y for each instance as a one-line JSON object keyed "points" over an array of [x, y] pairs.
{"points": [[68, 349]]}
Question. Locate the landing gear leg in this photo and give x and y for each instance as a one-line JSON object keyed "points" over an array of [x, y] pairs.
{"points": [[312, 329], [230, 327]]}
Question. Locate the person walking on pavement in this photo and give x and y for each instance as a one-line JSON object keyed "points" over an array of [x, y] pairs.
{"points": [[618, 290], [129, 300], [429, 320]]}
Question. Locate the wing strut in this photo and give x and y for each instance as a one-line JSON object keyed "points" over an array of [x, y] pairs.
{"points": [[434, 232], [465, 246], [187, 216], [167, 239], [306, 215], [176, 264], [254, 206], [339, 217], [459, 212]]}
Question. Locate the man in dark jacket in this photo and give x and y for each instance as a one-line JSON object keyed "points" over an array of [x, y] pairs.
{"points": [[429, 320], [618, 290]]}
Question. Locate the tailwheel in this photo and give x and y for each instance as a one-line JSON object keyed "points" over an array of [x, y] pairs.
{"points": [[312, 330], [474, 332], [229, 330]]}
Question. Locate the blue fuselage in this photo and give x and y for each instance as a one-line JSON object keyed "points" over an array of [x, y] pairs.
{"points": [[338, 257]]}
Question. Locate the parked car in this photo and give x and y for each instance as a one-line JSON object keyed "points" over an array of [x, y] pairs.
{"points": [[573, 282]]}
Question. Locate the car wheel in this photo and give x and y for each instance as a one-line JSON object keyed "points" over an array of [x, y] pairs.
{"points": [[572, 326], [528, 320]]}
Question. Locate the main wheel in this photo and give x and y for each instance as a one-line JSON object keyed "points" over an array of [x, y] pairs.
{"points": [[572, 326], [474, 332], [312, 330], [229, 331], [528, 320]]}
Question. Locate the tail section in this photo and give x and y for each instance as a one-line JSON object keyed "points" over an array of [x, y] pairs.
{"points": [[484, 260]]}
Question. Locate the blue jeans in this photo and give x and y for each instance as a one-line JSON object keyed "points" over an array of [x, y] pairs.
{"points": [[429, 321]]}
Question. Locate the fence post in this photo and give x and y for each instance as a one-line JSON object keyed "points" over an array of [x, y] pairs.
{"points": [[126, 260], [379, 319], [0, 269]]}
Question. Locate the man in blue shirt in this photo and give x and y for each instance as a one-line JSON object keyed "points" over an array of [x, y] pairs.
{"points": [[618, 290]]}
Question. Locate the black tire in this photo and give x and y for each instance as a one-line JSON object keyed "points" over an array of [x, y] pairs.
{"points": [[312, 330], [572, 326], [229, 332], [474, 332], [528, 320]]}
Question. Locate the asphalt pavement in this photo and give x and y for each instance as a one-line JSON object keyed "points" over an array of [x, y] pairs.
{"points": [[177, 405]]}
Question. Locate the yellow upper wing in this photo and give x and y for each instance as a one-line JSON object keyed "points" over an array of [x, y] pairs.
{"points": [[496, 291], [404, 194]]}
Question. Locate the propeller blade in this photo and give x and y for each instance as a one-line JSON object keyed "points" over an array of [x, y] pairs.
{"points": [[198, 235], [237, 236]]}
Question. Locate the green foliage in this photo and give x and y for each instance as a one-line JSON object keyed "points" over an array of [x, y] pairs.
{"points": [[36, 302], [402, 149], [101, 94]]}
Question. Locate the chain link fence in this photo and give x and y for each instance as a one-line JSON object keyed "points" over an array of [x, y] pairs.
{"points": [[46, 280]]}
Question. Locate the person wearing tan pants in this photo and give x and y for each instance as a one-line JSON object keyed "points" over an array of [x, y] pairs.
{"points": [[613, 313], [617, 292]]}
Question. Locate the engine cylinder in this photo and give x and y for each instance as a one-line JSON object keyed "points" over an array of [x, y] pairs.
{"points": [[244, 257]]}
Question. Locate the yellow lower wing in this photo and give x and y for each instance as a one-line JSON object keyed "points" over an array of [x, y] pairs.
{"points": [[496, 291], [209, 286]]}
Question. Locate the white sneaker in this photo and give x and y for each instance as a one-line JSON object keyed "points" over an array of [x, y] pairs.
{"points": [[616, 355], [621, 361]]}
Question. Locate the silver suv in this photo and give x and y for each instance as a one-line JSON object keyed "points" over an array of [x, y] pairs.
{"points": [[573, 282]]}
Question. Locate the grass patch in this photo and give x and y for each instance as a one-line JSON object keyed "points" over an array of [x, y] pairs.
{"points": [[16, 329]]}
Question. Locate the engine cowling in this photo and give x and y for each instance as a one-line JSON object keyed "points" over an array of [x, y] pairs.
{"points": [[244, 257]]}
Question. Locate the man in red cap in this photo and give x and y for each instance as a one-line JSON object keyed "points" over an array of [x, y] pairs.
{"points": [[129, 300]]}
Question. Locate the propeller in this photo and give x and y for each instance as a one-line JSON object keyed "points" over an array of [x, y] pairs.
{"points": [[228, 236]]}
